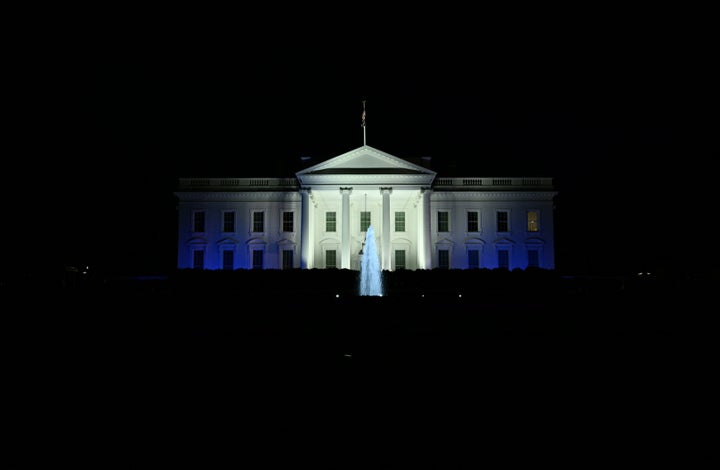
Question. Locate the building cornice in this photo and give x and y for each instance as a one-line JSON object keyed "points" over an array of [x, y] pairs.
{"points": [[368, 180]]}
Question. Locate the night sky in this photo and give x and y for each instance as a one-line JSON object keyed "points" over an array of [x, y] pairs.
{"points": [[630, 138], [106, 109]]}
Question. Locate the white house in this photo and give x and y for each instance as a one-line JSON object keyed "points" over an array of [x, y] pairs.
{"points": [[319, 218]]}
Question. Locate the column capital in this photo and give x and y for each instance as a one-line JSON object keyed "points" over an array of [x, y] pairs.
{"points": [[386, 190], [346, 190]]}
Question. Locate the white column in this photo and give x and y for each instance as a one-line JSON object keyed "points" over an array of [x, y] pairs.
{"points": [[305, 251], [386, 264], [345, 255], [424, 231]]}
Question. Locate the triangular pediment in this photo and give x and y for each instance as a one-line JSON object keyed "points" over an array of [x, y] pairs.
{"points": [[534, 241], [366, 166], [195, 241], [365, 160]]}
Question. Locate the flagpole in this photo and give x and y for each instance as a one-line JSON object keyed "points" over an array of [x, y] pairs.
{"points": [[363, 125]]}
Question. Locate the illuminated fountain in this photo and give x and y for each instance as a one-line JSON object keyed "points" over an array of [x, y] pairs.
{"points": [[370, 272]]}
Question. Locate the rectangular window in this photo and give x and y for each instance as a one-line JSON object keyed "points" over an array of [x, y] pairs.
{"points": [[364, 221], [503, 259], [330, 221], [444, 259], [399, 259], [533, 221], [330, 259], [502, 221], [288, 222], [473, 221], [257, 259], [228, 221], [473, 259], [228, 259], [400, 221], [199, 259], [199, 221], [533, 258], [258, 222], [443, 221], [287, 259]]}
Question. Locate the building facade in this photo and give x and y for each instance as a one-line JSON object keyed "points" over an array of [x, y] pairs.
{"points": [[319, 218]]}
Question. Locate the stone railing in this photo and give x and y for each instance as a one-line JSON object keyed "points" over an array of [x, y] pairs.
{"points": [[494, 183], [259, 184], [237, 184]]}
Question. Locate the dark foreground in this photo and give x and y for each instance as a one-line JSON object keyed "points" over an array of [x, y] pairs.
{"points": [[142, 368]]}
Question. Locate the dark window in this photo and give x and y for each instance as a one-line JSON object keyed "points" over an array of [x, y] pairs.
{"points": [[444, 259], [533, 258], [258, 222], [399, 259], [287, 221], [228, 221], [330, 259], [473, 259], [257, 259], [400, 221], [228, 259], [502, 221], [330, 221], [504, 259], [473, 224], [198, 259], [364, 221], [443, 221], [199, 221], [287, 259]]}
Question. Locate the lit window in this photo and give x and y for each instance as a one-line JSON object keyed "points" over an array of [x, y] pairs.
{"points": [[532, 221]]}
